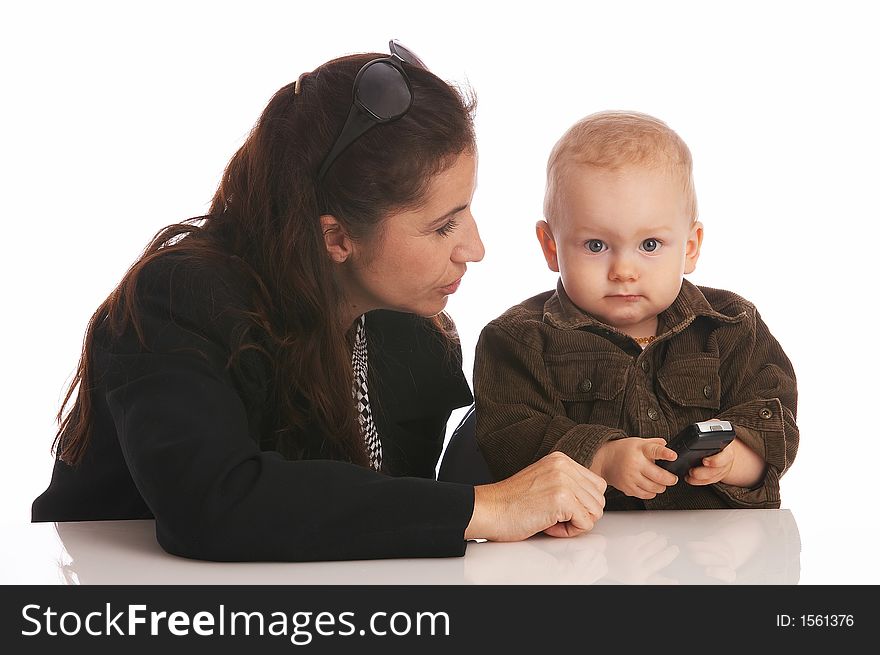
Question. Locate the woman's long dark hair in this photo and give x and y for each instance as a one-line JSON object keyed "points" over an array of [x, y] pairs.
{"points": [[265, 216]]}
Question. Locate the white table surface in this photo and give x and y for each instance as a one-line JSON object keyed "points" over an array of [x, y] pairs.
{"points": [[672, 547]]}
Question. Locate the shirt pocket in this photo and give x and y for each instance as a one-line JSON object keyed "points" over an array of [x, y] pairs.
{"points": [[590, 387], [693, 386]]}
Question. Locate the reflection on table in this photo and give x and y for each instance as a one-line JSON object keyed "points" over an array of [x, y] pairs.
{"points": [[660, 547]]}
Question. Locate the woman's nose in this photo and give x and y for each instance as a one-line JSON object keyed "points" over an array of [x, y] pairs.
{"points": [[471, 248]]}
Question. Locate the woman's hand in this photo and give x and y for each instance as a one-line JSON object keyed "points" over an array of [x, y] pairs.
{"points": [[555, 495]]}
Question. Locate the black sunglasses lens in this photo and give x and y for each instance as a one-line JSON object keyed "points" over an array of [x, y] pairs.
{"points": [[406, 54], [381, 94], [383, 91]]}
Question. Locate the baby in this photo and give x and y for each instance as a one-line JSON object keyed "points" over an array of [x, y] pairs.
{"points": [[625, 352]]}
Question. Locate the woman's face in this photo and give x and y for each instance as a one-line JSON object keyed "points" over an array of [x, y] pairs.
{"points": [[417, 258]]}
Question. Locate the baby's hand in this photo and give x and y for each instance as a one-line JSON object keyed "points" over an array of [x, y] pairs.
{"points": [[628, 465], [714, 468]]}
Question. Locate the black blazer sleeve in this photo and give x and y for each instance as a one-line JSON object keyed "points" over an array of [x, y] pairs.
{"points": [[184, 434]]}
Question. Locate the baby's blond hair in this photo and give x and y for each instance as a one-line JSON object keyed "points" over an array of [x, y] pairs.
{"points": [[611, 140]]}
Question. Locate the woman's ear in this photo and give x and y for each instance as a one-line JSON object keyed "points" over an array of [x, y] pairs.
{"points": [[692, 247], [336, 239], [548, 244]]}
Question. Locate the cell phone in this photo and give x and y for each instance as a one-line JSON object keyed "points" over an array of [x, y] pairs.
{"points": [[696, 441]]}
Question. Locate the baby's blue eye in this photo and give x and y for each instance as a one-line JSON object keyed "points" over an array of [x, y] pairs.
{"points": [[595, 245], [650, 245]]}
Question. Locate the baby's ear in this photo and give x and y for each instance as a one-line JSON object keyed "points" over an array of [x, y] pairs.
{"points": [[548, 244], [692, 247]]}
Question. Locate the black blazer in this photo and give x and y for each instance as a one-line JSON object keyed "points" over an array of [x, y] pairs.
{"points": [[185, 439]]}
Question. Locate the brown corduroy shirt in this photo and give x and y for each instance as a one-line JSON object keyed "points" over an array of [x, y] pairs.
{"points": [[549, 377]]}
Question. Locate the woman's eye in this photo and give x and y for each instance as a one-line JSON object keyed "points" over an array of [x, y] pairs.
{"points": [[650, 245], [595, 245], [447, 228]]}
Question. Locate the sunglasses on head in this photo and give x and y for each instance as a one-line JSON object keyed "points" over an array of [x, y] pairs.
{"points": [[381, 94]]}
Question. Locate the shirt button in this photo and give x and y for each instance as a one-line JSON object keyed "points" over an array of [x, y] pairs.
{"points": [[645, 365], [585, 385], [653, 414], [766, 413], [707, 391]]}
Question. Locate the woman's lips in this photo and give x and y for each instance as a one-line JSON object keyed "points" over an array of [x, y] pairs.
{"points": [[451, 288]]}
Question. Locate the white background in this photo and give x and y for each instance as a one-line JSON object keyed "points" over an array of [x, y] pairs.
{"points": [[119, 118]]}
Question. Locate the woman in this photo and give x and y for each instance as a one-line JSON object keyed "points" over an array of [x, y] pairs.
{"points": [[272, 381]]}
